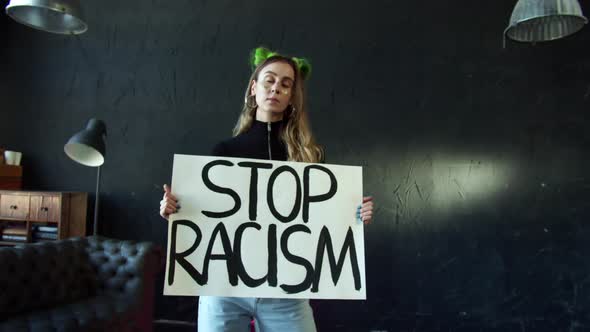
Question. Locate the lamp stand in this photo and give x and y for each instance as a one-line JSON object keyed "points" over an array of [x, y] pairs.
{"points": [[95, 227]]}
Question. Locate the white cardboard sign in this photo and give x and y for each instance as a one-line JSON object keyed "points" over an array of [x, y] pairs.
{"points": [[261, 228]]}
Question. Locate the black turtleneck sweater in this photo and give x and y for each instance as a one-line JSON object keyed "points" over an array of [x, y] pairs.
{"points": [[254, 143]]}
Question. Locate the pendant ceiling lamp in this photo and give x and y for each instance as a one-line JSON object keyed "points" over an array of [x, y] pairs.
{"points": [[55, 16], [544, 20]]}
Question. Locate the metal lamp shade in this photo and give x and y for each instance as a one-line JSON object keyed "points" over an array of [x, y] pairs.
{"points": [[56, 16], [87, 146], [544, 20]]}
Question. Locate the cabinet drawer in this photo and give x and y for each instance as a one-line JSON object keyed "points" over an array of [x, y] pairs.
{"points": [[14, 206], [45, 208]]}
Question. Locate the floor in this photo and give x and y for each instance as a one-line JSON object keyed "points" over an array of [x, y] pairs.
{"points": [[174, 326]]}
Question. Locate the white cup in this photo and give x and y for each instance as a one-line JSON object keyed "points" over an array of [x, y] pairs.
{"points": [[12, 157]]}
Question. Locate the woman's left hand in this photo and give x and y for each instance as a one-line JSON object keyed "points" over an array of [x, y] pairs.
{"points": [[365, 211]]}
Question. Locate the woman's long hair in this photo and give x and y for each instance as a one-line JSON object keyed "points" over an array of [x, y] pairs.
{"points": [[296, 134]]}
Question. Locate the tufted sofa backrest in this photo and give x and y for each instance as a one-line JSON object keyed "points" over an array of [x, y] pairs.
{"points": [[45, 274], [119, 265]]}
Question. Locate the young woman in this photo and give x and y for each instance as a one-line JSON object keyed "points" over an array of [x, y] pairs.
{"points": [[273, 125]]}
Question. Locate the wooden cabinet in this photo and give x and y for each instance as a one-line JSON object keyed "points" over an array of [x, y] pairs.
{"points": [[24, 212], [11, 177], [14, 206], [45, 208]]}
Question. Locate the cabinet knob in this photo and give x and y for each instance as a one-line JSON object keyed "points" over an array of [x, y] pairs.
{"points": [[14, 207], [43, 208]]}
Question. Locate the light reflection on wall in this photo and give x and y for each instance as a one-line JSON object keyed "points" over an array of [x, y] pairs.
{"points": [[437, 185], [468, 181]]}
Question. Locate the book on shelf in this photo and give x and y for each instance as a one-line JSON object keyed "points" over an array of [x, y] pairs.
{"points": [[46, 229], [17, 238], [14, 230], [44, 236]]}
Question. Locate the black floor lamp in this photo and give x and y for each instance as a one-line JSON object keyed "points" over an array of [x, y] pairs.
{"points": [[87, 147]]}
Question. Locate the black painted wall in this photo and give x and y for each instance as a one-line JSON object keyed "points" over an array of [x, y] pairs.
{"points": [[478, 156]]}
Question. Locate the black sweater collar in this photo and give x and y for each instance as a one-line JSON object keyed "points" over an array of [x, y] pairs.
{"points": [[275, 127]]}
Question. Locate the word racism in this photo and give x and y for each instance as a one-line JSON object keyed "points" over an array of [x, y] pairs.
{"points": [[232, 252]]}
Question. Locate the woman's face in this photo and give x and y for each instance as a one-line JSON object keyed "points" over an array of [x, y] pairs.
{"points": [[274, 87]]}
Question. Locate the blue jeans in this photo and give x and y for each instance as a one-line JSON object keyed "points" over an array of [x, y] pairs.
{"points": [[229, 314]]}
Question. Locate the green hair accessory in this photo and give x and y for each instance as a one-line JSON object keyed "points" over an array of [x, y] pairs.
{"points": [[261, 54]]}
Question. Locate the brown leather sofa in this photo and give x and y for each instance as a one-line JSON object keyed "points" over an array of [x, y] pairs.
{"points": [[78, 284]]}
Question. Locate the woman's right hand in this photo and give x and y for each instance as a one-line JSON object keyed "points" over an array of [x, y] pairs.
{"points": [[168, 204]]}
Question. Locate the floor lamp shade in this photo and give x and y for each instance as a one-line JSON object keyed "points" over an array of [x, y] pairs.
{"points": [[55, 16], [87, 146], [544, 20]]}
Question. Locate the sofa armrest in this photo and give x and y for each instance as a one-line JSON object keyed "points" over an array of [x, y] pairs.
{"points": [[123, 267]]}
